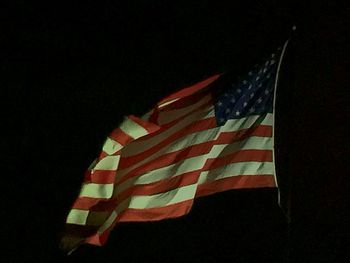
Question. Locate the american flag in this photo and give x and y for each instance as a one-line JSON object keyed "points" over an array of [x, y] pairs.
{"points": [[195, 142]]}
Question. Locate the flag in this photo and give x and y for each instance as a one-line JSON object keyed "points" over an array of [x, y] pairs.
{"points": [[207, 138]]}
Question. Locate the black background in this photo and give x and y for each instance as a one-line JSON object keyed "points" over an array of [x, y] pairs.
{"points": [[72, 71]]}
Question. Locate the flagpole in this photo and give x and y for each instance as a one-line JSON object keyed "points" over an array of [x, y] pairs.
{"points": [[289, 197], [286, 212], [274, 105]]}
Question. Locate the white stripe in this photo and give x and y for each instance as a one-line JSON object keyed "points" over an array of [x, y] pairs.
{"points": [[111, 146], [133, 129], [167, 103], [169, 116], [96, 190], [235, 169], [251, 143], [233, 125], [107, 163], [91, 218], [163, 199], [77, 216], [136, 147]]}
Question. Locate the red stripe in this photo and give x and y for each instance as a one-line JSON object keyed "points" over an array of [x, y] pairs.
{"points": [[240, 156], [120, 136], [100, 177], [259, 130], [95, 204], [236, 182], [88, 203], [103, 155], [87, 234], [190, 90], [169, 125], [140, 215], [162, 186], [148, 126], [100, 239], [96, 239], [164, 118], [155, 214], [185, 102], [87, 176], [201, 108]]}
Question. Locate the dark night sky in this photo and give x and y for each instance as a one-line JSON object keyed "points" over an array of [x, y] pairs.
{"points": [[71, 72]]}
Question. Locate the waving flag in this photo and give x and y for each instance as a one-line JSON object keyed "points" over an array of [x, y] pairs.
{"points": [[211, 137]]}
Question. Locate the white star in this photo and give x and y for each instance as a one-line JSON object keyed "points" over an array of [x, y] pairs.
{"points": [[250, 73], [267, 91], [265, 69], [219, 103], [252, 95], [237, 113], [244, 82], [233, 100], [259, 100], [257, 78], [250, 86], [239, 90], [245, 104]]}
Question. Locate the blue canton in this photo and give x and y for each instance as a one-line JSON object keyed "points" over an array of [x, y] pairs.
{"points": [[252, 95]]}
